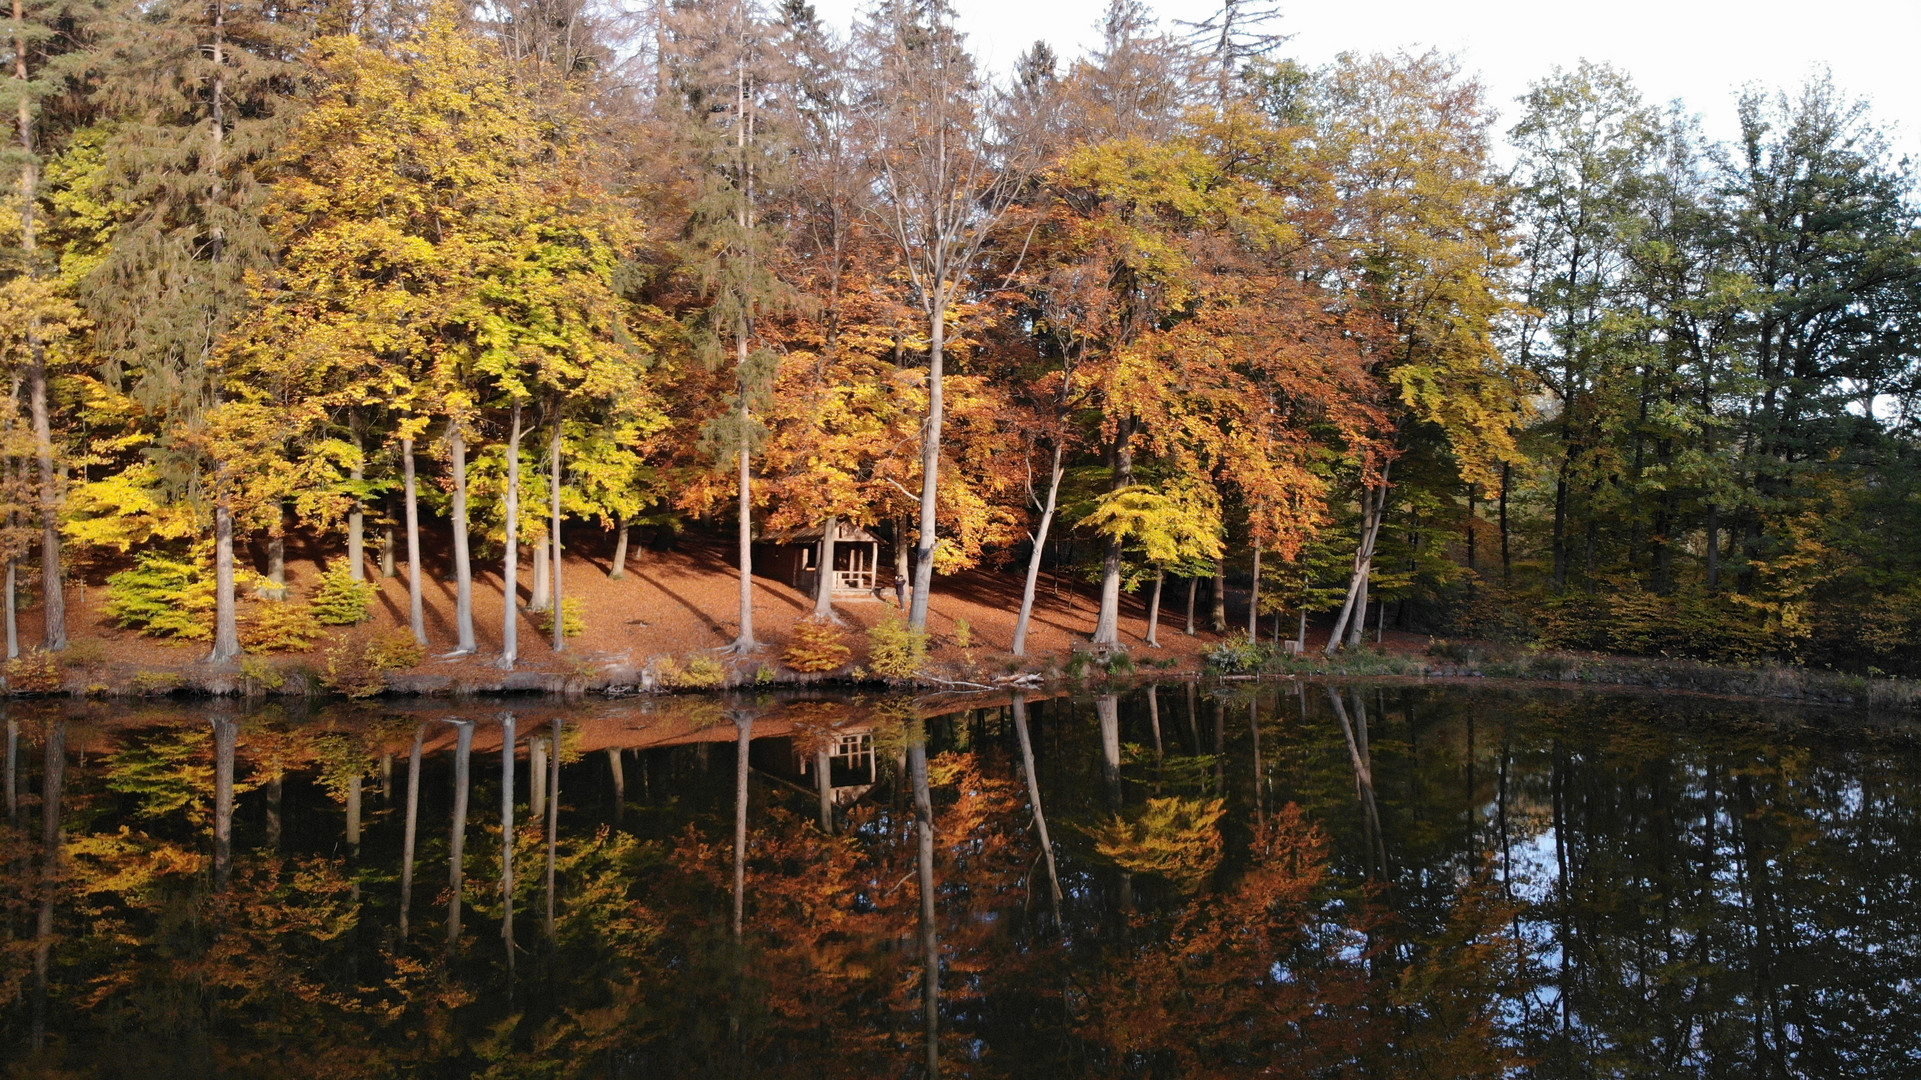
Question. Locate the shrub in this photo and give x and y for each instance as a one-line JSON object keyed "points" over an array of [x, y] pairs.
{"points": [[33, 673], [817, 646], [963, 634], [84, 654], [280, 626], [698, 672], [896, 650], [1237, 655], [261, 674], [360, 672], [572, 625], [394, 650], [164, 596], [156, 683], [342, 601]]}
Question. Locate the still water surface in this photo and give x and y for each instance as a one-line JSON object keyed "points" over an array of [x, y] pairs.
{"points": [[1212, 881]]}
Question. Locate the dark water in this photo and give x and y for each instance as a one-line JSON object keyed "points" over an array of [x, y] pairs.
{"points": [[1242, 881]]}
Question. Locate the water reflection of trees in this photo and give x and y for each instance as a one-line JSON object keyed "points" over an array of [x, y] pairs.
{"points": [[1393, 867]]}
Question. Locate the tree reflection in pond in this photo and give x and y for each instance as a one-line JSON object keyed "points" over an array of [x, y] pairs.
{"points": [[1355, 882]]}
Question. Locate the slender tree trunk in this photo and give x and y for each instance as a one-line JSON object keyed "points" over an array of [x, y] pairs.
{"points": [[510, 563], [559, 599], [463, 565], [1714, 548], [13, 604], [744, 737], [1107, 710], [416, 612], [387, 559], [1154, 611], [930, 454], [457, 844], [276, 586], [553, 821], [1353, 607], [744, 641], [357, 517], [1358, 623], [619, 773], [542, 597], [1034, 800], [537, 776], [1507, 563], [226, 736], [924, 868], [1054, 474], [824, 785], [824, 581], [51, 580], [410, 830], [901, 569], [507, 820], [618, 569], [53, 784], [1254, 596], [226, 635], [355, 786], [1217, 602], [1107, 625], [1193, 586]]}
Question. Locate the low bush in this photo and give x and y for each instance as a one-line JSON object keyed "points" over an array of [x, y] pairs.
{"points": [[572, 624], [1238, 655], [698, 671], [33, 673], [164, 595], [83, 654], [359, 671], [817, 646], [896, 650], [342, 601], [280, 626]]}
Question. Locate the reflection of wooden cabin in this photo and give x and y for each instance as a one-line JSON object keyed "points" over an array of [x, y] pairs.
{"points": [[794, 557], [850, 766]]}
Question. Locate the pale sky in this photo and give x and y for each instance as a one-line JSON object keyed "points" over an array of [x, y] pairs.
{"points": [[1702, 51]]}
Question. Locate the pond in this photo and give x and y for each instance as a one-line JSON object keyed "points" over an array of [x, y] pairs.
{"points": [[1178, 881]]}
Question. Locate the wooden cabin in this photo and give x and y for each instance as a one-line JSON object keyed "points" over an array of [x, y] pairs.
{"points": [[794, 557]]}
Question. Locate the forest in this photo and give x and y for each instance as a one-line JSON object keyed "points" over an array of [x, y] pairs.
{"points": [[1180, 317]]}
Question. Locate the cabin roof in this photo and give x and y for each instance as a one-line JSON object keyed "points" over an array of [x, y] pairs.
{"points": [[811, 534]]}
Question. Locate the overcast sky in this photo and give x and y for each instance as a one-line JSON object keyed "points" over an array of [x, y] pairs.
{"points": [[1702, 51]]}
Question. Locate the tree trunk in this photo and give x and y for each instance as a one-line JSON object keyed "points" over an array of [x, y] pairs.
{"points": [[1217, 615], [457, 843], [924, 869], [537, 776], [52, 583], [1254, 596], [559, 601], [542, 597], [1373, 511], [52, 786], [510, 563], [226, 736], [1154, 611], [618, 569], [13, 604], [1193, 586], [1107, 625], [824, 789], [276, 586], [357, 517], [1034, 800], [355, 784], [744, 737], [410, 830], [930, 454], [824, 580], [387, 560], [416, 613], [901, 569], [1054, 474], [463, 566], [507, 810], [744, 641], [1507, 563], [1358, 623], [226, 635], [553, 820]]}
